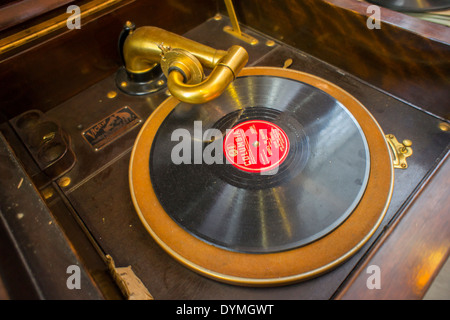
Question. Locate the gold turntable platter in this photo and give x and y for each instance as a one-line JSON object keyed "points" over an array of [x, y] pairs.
{"points": [[255, 223]]}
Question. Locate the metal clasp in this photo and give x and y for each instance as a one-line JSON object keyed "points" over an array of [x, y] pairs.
{"points": [[400, 151]]}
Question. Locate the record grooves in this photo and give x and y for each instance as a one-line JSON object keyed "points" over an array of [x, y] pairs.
{"points": [[263, 227], [299, 201]]}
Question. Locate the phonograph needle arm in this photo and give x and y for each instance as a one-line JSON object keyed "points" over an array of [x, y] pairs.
{"points": [[182, 61]]}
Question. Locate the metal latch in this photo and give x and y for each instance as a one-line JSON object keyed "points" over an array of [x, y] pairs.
{"points": [[400, 151]]}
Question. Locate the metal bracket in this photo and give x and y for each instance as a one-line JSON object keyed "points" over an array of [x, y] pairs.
{"points": [[400, 151], [234, 29]]}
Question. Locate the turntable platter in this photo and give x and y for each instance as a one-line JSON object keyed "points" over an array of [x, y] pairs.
{"points": [[252, 223], [319, 181]]}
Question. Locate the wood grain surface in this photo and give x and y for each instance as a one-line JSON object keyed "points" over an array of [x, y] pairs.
{"points": [[406, 56], [413, 250]]}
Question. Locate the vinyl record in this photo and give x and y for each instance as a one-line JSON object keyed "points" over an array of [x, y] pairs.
{"points": [[314, 184], [281, 178]]}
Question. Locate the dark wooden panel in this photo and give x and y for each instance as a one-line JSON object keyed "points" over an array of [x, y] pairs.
{"points": [[413, 250], [20, 11], [407, 57], [55, 70], [28, 266]]}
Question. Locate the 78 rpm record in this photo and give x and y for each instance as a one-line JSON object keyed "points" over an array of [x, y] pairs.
{"points": [[281, 178]]}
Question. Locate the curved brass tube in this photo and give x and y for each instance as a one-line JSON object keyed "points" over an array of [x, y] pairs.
{"points": [[182, 60], [203, 92], [213, 86]]}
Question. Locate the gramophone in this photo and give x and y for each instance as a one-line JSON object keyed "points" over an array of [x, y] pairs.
{"points": [[207, 158], [299, 174]]}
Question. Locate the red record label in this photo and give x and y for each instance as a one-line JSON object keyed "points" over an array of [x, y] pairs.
{"points": [[256, 146]]}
